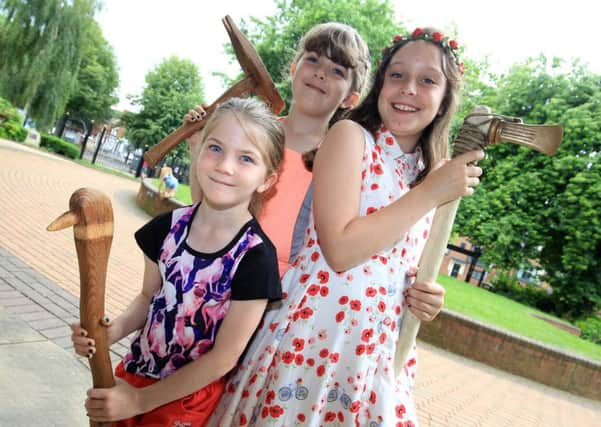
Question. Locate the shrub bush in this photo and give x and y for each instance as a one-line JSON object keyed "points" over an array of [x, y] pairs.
{"points": [[509, 286], [590, 328], [59, 146], [10, 122]]}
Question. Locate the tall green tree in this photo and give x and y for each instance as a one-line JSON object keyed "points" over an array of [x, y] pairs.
{"points": [[172, 89], [277, 37], [97, 79], [40, 42], [533, 207]]}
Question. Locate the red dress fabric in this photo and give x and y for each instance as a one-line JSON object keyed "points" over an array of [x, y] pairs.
{"points": [[193, 410]]}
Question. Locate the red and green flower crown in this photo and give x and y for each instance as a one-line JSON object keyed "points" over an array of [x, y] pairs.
{"points": [[446, 43]]}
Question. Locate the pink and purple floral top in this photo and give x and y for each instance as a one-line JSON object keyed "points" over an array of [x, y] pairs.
{"points": [[187, 310]]}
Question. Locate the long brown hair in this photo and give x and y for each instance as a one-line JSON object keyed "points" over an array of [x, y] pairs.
{"points": [[434, 140]]}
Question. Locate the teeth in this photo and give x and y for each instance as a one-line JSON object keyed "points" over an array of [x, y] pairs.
{"points": [[403, 107]]}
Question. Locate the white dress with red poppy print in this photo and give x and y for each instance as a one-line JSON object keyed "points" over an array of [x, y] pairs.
{"points": [[325, 358]]}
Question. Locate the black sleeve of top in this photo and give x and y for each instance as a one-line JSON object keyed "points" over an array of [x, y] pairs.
{"points": [[151, 236], [257, 276]]}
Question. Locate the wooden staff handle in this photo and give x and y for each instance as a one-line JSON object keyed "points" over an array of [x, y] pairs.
{"points": [[160, 150], [91, 216], [91, 313], [431, 258]]}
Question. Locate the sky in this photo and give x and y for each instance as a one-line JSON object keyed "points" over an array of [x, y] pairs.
{"points": [[143, 33]]}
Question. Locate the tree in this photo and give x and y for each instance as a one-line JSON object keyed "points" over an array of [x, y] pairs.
{"points": [[39, 41], [172, 89], [97, 79], [533, 207], [276, 38]]}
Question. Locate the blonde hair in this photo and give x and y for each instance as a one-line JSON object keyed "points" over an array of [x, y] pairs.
{"points": [[262, 128], [434, 139]]}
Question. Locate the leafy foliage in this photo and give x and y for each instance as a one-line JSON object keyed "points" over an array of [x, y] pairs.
{"points": [[94, 90], [590, 328], [172, 89], [507, 285], [10, 122], [533, 207], [59, 146], [40, 41]]}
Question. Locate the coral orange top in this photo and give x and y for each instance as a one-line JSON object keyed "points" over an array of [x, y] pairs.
{"points": [[281, 209]]}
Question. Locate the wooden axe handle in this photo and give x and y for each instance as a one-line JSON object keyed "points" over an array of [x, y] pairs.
{"points": [[431, 258], [160, 150]]}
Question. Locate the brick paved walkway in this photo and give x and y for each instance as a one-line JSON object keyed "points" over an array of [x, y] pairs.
{"points": [[39, 283]]}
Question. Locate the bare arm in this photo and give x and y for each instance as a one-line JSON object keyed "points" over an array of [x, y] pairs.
{"points": [[348, 239], [123, 401]]}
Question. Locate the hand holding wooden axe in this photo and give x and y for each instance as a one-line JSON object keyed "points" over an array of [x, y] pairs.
{"points": [[91, 216], [480, 129], [257, 80]]}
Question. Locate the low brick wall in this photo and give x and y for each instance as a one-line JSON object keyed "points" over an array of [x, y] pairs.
{"points": [[149, 200], [521, 356]]}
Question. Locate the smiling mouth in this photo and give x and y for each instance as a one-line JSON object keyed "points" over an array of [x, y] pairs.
{"points": [[221, 182], [404, 108], [320, 90]]}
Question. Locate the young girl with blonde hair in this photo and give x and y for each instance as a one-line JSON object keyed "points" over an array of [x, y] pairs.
{"points": [[210, 271]]}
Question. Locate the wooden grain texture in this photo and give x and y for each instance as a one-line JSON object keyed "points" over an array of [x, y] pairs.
{"points": [[91, 215]]}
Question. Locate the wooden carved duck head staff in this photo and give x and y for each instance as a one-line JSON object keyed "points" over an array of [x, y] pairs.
{"points": [[91, 216]]}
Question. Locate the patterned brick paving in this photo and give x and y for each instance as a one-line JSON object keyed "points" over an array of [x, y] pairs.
{"points": [[39, 283]]}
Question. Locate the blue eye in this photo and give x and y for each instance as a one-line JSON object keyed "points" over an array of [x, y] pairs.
{"points": [[396, 75], [428, 81], [312, 58], [339, 72], [247, 159], [214, 148]]}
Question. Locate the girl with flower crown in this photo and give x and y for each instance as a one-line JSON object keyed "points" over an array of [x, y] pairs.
{"points": [[327, 355]]}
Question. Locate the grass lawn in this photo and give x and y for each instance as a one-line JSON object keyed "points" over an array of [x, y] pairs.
{"points": [[507, 314], [182, 194]]}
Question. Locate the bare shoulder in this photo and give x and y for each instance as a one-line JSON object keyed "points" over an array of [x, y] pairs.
{"points": [[346, 128], [342, 150], [345, 134]]}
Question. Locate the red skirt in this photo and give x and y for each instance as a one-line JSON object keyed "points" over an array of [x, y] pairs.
{"points": [[193, 410]]}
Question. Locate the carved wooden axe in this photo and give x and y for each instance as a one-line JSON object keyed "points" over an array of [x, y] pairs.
{"points": [[480, 129], [257, 80], [91, 215]]}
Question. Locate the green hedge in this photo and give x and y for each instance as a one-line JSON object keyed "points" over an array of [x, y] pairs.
{"points": [[507, 285], [59, 146], [590, 328], [10, 122]]}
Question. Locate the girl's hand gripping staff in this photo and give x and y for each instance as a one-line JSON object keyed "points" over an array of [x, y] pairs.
{"points": [[91, 215]]}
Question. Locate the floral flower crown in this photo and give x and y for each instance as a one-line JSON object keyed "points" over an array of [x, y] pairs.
{"points": [[436, 37]]}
